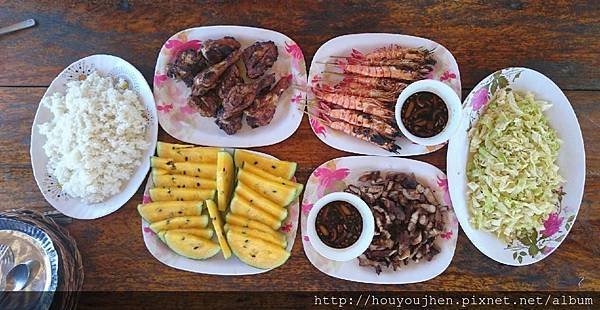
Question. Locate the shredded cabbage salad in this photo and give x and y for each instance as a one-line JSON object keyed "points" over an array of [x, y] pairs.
{"points": [[512, 174]]}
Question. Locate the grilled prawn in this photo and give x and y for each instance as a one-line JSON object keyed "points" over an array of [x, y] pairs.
{"points": [[386, 72], [362, 133], [360, 119], [366, 105]]}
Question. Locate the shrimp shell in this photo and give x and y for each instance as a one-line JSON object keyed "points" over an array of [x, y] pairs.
{"points": [[361, 90], [398, 52], [364, 134], [364, 120], [389, 85], [366, 105], [384, 72]]}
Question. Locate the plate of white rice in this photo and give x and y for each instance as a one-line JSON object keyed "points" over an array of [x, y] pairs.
{"points": [[92, 137]]}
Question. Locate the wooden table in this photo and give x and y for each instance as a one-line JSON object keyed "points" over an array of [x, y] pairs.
{"points": [[561, 41]]}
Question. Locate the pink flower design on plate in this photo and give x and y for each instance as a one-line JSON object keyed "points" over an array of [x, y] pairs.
{"points": [[316, 79], [177, 46], [187, 110], [447, 76], [286, 228], [552, 225], [547, 249], [328, 176], [480, 99], [159, 79], [306, 208], [148, 231], [294, 50], [146, 199], [166, 108], [447, 235], [305, 238], [317, 127], [296, 99], [443, 184]]}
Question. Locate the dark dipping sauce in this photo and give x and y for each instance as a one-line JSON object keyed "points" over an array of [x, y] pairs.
{"points": [[424, 114], [339, 224]]}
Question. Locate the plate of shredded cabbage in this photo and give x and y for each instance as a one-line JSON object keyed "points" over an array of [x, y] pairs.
{"points": [[516, 167]]}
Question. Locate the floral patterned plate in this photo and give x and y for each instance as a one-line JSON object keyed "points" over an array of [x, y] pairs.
{"points": [[215, 265], [335, 175], [106, 65], [185, 124], [446, 70], [571, 162]]}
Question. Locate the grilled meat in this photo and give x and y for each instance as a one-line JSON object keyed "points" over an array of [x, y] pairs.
{"points": [[207, 104], [241, 96], [259, 57], [207, 79], [230, 125], [216, 51], [230, 78], [262, 110], [186, 65]]}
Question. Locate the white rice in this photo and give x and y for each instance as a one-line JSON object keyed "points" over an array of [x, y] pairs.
{"points": [[96, 139]]}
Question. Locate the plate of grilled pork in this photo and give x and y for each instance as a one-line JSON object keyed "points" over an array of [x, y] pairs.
{"points": [[230, 86], [355, 81]]}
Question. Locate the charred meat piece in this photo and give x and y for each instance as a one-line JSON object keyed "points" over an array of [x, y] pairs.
{"points": [[262, 110], [241, 96], [207, 104], [230, 78], [207, 79], [230, 125], [187, 64], [217, 50], [408, 219], [259, 57]]}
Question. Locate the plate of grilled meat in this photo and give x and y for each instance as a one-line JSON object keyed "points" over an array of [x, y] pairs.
{"points": [[230, 86], [355, 81]]}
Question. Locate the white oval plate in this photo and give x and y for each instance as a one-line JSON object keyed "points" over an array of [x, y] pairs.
{"points": [[445, 70], [334, 175], [106, 65], [183, 123], [216, 265], [571, 161]]}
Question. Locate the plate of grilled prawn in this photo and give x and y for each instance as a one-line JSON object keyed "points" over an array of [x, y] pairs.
{"points": [[355, 80], [230, 86]]}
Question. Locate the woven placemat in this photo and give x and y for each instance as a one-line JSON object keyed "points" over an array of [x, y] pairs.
{"points": [[70, 267]]}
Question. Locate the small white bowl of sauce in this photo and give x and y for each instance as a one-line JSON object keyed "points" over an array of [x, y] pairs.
{"points": [[340, 226], [428, 112]]}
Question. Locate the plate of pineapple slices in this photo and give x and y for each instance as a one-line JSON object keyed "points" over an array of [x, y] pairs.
{"points": [[219, 211]]}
